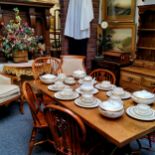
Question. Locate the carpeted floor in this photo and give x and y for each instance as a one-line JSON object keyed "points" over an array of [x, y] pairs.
{"points": [[15, 131]]}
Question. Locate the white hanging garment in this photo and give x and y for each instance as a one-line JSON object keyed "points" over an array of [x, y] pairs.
{"points": [[79, 16]]}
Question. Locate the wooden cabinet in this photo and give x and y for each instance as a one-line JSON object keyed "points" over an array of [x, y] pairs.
{"points": [[146, 33], [141, 75]]}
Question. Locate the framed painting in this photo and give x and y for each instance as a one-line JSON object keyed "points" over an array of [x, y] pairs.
{"points": [[119, 10], [123, 37]]}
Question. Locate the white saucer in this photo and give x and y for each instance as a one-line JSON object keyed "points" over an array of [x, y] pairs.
{"points": [[94, 104], [125, 96], [98, 86], [69, 82], [81, 81], [94, 91], [131, 111], [61, 97], [53, 88]]}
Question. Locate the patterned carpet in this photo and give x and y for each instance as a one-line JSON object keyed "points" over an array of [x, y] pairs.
{"points": [[15, 131]]}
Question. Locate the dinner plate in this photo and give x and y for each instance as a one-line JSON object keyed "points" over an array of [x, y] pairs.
{"points": [[125, 96], [131, 111], [93, 91], [94, 104], [98, 86], [53, 88], [61, 97], [80, 81]]}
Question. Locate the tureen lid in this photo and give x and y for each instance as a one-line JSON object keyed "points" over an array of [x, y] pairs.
{"points": [[111, 105]]}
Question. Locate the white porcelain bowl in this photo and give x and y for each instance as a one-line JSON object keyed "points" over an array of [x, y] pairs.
{"points": [[143, 97], [48, 78], [79, 74], [111, 110]]}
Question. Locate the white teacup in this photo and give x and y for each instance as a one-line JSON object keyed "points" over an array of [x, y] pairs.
{"points": [[118, 91], [67, 92], [70, 80], [143, 109], [61, 76], [87, 98], [105, 84], [59, 85]]}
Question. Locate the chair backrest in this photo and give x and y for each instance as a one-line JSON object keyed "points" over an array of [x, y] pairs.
{"points": [[103, 74], [153, 90], [68, 130], [44, 65], [71, 63], [32, 101]]}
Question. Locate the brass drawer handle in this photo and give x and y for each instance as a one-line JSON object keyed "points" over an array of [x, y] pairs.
{"points": [[130, 78]]}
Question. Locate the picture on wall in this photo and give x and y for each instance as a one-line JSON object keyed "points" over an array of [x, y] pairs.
{"points": [[119, 10], [123, 37]]}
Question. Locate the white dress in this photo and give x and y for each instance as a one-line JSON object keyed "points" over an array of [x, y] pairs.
{"points": [[79, 16]]}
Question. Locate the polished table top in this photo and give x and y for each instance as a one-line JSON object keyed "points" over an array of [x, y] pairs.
{"points": [[120, 131]]}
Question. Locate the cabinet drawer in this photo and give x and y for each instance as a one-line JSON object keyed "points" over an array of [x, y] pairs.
{"points": [[130, 78], [148, 82]]}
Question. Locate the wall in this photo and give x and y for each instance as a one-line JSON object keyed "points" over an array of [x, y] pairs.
{"points": [[91, 50]]}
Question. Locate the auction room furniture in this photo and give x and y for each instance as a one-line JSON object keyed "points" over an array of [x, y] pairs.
{"points": [[71, 63], [119, 131], [39, 122], [110, 65], [103, 74], [42, 65], [35, 13], [141, 74], [9, 92]]}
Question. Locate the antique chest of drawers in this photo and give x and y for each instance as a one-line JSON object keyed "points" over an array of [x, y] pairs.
{"points": [[138, 76]]}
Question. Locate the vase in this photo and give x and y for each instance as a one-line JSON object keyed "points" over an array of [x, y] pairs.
{"points": [[20, 56]]}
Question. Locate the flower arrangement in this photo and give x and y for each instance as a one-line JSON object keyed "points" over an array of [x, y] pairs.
{"points": [[18, 36]]}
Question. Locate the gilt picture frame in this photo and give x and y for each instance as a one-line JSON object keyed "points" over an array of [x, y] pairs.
{"points": [[123, 37], [119, 10]]}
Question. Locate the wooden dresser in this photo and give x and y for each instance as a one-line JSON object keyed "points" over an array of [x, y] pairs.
{"points": [[141, 75]]}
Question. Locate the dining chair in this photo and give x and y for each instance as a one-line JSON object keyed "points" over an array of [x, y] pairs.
{"points": [[69, 132], [42, 65], [103, 74], [39, 122], [71, 63]]}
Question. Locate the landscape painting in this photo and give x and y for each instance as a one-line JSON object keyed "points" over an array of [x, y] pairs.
{"points": [[119, 10], [123, 38]]}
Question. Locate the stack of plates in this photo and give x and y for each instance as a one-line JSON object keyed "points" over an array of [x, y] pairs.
{"points": [[125, 96], [83, 104], [73, 96], [99, 86], [148, 115]]}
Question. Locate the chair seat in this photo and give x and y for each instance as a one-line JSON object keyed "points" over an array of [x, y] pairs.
{"points": [[42, 122]]}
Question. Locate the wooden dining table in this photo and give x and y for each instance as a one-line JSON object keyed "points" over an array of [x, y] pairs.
{"points": [[120, 131]]}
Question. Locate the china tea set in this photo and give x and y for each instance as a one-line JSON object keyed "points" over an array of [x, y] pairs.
{"points": [[112, 107]]}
